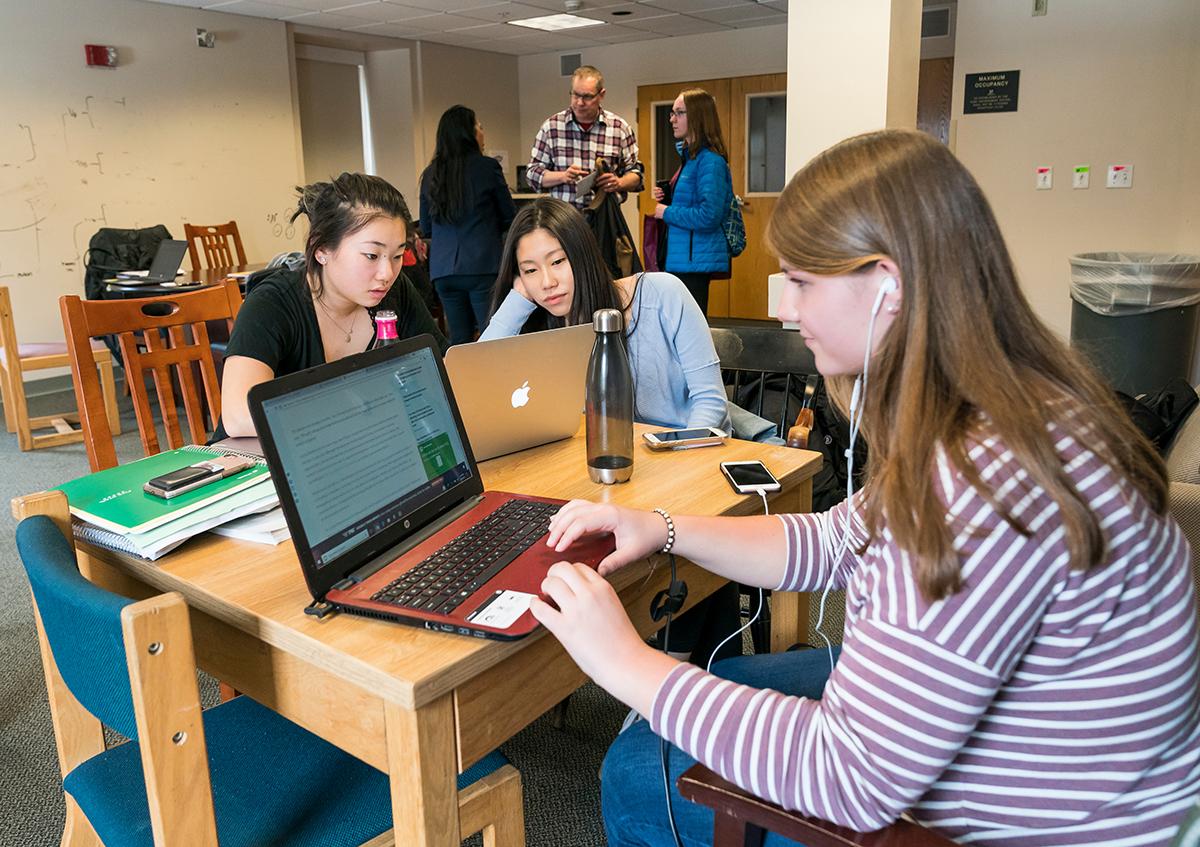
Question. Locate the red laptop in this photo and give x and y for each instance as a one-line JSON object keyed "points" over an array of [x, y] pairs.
{"points": [[384, 501]]}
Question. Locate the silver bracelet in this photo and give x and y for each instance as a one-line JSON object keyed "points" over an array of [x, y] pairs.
{"points": [[666, 548]]}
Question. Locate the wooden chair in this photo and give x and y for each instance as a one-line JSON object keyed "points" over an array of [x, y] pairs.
{"points": [[215, 241], [236, 774], [154, 318], [16, 358], [742, 820], [750, 354]]}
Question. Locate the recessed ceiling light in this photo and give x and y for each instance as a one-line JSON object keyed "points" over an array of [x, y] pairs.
{"points": [[551, 23]]}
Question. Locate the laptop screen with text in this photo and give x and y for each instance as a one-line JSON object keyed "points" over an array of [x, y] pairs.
{"points": [[363, 451]]}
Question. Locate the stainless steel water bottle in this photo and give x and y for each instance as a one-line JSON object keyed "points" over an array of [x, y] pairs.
{"points": [[609, 410]]}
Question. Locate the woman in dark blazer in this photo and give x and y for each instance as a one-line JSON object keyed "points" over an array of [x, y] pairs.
{"points": [[465, 207]]}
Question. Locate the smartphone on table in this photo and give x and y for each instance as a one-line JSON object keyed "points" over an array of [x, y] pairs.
{"points": [[177, 482], [684, 439], [749, 477]]}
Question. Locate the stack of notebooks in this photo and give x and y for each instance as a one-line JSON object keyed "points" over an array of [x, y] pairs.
{"points": [[113, 511]]}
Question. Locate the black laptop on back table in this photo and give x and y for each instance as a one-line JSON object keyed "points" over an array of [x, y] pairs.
{"points": [[163, 268], [385, 503]]}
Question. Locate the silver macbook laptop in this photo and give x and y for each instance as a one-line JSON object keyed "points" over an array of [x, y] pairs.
{"points": [[519, 392]]}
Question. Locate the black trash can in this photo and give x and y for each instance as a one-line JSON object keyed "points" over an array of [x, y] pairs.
{"points": [[1134, 316]]}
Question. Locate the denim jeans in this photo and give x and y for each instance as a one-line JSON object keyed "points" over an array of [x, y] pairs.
{"points": [[465, 299], [631, 781]]}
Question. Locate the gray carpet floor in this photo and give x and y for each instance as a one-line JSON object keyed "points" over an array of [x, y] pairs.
{"points": [[558, 766]]}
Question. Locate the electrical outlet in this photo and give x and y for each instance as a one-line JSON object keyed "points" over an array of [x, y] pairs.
{"points": [[1119, 176], [1081, 176], [1043, 178]]}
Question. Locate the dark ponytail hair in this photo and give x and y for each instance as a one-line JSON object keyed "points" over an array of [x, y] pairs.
{"points": [[456, 142], [594, 285], [342, 207]]}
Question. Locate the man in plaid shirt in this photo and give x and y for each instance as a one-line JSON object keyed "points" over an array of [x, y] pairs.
{"points": [[568, 143]]}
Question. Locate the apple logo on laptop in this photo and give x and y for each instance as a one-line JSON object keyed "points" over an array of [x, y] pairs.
{"points": [[521, 396]]}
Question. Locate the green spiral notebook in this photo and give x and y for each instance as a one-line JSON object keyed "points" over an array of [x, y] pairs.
{"points": [[114, 499]]}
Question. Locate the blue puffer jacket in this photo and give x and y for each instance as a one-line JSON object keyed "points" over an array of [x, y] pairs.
{"points": [[703, 192]]}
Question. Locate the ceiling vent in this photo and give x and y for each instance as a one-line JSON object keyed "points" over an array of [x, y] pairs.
{"points": [[569, 63]]}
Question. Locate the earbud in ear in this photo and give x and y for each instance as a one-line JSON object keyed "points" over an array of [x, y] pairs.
{"points": [[887, 285]]}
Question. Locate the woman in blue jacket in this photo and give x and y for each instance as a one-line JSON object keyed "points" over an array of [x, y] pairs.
{"points": [[465, 207], [696, 248]]}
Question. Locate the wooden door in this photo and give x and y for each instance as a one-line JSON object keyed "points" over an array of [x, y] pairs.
{"points": [[654, 101], [758, 189], [934, 86]]}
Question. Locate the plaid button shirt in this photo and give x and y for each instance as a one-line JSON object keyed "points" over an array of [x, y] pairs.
{"points": [[561, 141]]}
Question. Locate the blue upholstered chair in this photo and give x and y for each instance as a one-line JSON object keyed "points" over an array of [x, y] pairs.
{"points": [[235, 774]]}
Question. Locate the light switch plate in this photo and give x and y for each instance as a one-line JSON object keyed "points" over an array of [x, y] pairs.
{"points": [[1043, 178], [1119, 176], [1081, 176]]}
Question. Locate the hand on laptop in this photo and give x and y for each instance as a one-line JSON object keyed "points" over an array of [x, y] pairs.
{"points": [[638, 534], [592, 625]]}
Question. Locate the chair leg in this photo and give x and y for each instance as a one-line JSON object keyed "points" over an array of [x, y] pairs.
{"points": [[10, 418], [21, 414], [108, 387], [728, 831], [494, 806], [78, 830]]}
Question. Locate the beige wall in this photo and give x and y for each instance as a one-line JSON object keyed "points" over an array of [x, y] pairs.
{"points": [[1102, 82], [175, 133], [390, 91], [485, 82], [330, 118]]}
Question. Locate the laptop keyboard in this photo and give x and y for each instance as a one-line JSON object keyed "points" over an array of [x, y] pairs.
{"points": [[441, 583]]}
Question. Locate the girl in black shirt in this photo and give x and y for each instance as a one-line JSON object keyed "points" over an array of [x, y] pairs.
{"points": [[292, 320]]}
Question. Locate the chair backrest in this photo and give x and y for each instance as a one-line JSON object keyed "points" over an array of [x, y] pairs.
{"points": [[126, 664], [163, 348], [751, 354], [215, 239]]}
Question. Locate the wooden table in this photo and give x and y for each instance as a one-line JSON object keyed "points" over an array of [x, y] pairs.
{"points": [[118, 289], [418, 705]]}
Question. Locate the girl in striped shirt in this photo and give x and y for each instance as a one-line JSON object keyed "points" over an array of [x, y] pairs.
{"points": [[1019, 663]]}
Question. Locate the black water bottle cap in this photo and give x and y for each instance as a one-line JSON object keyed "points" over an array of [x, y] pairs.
{"points": [[607, 320]]}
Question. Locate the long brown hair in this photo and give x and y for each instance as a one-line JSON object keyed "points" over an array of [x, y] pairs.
{"points": [[964, 346], [704, 125]]}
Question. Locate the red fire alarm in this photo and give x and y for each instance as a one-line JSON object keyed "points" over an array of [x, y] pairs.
{"points": [[100, 56]]}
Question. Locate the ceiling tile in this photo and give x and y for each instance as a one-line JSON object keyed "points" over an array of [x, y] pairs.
{"points": [[612, 34], [630, 13], [195, 4], [738, 15], [312, 5], [375, 10], [588, 5], [501, 12], [777, 5], [753, 22], [689, 7], [324, 19], [678, 25], [255, 9], [392, 30], [453, 6]]}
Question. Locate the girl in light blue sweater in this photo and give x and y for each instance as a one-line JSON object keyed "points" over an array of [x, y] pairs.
{"points": [[552, 275]]}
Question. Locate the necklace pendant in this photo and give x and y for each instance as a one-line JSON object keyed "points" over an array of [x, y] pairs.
{"points": [[347, 338]]}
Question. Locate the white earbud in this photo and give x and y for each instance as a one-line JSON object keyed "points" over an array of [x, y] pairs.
{"points": [[887, 285]]}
